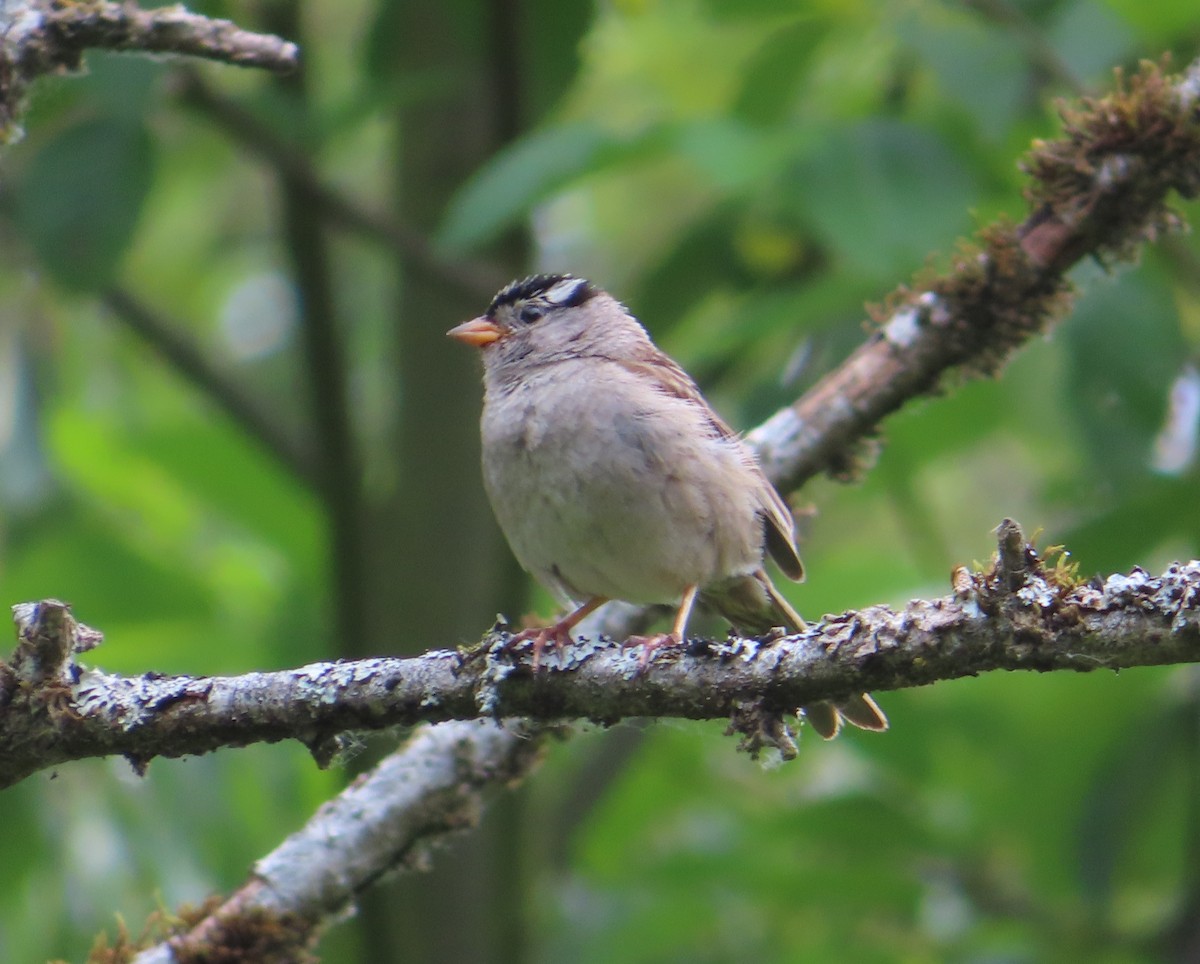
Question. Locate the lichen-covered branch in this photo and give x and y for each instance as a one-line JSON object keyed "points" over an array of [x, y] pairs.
{"points": [[53, 34], [48, 36], [1098, 191], [1018, 615], [387, 821]]}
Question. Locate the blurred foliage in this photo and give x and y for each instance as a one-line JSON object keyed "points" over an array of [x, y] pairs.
{"points": [[745, 175]]}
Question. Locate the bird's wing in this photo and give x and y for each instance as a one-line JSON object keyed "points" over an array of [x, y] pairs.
{"points": [[781, 531], [661, 369]]}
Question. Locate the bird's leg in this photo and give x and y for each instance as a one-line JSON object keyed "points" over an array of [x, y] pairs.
{"points": [[661, 640], [558, 633]]}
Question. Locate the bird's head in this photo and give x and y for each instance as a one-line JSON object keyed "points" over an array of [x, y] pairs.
{"points": [[550, 316]]}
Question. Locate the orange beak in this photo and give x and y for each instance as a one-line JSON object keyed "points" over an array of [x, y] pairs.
{"points": [[478, 332]]}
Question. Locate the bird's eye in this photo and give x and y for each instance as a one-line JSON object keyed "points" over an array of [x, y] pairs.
{"points": [[531, 313]]}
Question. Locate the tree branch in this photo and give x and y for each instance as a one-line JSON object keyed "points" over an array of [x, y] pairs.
{"points": [[49, 36], [54, 34], [1099, 192], [1019, 615], [385, 822]]}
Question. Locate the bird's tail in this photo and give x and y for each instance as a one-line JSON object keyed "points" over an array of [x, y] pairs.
{"points": [[754, 605]]}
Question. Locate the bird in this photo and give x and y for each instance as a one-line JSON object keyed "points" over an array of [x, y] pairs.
{"points": [[613, 478]]}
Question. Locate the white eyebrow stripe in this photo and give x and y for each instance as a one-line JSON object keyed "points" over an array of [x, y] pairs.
{"points": [[564, 291]]}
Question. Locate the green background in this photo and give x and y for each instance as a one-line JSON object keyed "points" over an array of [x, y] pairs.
{"points": [[745, 176]]}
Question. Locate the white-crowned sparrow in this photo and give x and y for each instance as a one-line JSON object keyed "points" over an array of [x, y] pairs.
{"points": [[613, 478]]}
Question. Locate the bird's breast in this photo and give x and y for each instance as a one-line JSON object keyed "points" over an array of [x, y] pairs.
{"points": [[612, 492]]}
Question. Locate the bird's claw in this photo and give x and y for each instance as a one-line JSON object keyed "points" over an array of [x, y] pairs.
{"points": [[558, 634], [650, 645]]}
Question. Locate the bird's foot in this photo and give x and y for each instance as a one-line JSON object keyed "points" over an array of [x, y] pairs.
{"points": [[651, 644], [558, 633]]}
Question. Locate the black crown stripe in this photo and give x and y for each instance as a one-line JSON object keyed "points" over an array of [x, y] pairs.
{"points": [[538, 284]]}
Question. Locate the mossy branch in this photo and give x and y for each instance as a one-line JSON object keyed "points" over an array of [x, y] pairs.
{"points": [[1099, 191]]}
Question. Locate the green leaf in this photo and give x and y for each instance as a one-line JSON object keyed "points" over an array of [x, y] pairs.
{"points": [[1130, 784], [552, 33], [1125, 348], [974, 64], [731, 153], [774, 74], [121, 86], [885, 194], [1091, 38], [79, 200], [508, 186], [752, 9], [1159, 24]]}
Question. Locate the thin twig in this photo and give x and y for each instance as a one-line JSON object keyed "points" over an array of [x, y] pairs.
{"points": [[47, 36], [478, 279], [185, 357]]}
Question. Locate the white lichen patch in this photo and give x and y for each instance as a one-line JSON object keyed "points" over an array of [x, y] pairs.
{"points": [[627, 661], [1037, 592], [573, 656], [971, 609], [1120, 589], [130, 702], [1179, 594], [904, 327], [498, 667]]}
